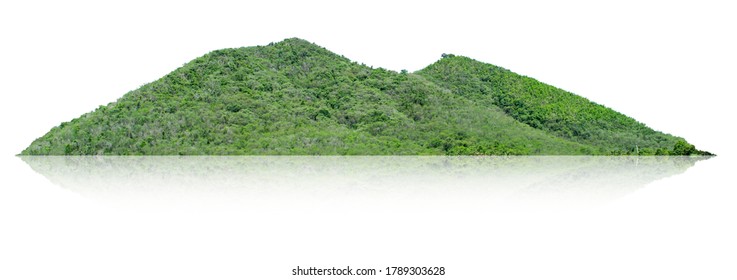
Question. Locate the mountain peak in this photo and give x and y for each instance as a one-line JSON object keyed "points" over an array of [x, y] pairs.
{"points": [[295, 40]]}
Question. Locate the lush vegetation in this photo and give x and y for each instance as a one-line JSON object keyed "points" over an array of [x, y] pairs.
{"points": [[294, 97], [553, 110]]}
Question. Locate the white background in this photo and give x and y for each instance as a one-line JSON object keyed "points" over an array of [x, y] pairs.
{"points": [[669, 64]]}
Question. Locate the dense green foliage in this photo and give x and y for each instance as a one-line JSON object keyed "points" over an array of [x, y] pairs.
{"points": [[553, 110], [294, 97]]}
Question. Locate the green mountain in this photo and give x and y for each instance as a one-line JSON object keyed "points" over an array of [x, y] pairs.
{"points": [[297, 98]]}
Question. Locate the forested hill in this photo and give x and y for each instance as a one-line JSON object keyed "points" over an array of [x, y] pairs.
{"points": [[296, 98], [550, 109]]}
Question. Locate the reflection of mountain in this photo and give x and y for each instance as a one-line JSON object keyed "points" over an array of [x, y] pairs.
{"points": [[321, 178]]}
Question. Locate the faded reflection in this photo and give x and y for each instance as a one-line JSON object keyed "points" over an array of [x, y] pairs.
{"points": [[239, 180]]}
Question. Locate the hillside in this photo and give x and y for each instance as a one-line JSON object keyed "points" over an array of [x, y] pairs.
{"points": [[296, 98], [550, 109]]}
